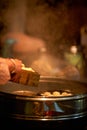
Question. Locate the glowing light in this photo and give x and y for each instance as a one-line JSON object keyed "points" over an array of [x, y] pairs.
{"points": [[28, 69], [73, 49]]}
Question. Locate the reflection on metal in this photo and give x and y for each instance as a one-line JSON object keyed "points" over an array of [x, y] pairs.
{"points": [[52, 106], [44, 108], [57, 108]]}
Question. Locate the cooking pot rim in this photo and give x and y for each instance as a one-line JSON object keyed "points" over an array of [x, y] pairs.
{"points": [[43, 98], [10, 87]]}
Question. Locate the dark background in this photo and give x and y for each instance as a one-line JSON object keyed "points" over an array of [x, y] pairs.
{"points": [[58, 22]]}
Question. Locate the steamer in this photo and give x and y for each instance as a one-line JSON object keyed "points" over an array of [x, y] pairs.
{"points": [[33, 107]]}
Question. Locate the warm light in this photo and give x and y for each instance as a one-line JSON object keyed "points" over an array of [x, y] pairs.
{"points": [[73, 49], [43, 49], [27, 69]]}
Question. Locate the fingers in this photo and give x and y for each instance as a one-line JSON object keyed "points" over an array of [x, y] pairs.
{"points": [[4, 73], [17, 64], [14, 65], [7, 67]]}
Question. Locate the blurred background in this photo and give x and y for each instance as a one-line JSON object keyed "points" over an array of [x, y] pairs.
{"points": [[59, 24]]}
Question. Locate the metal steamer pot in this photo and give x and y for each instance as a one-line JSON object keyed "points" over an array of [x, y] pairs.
{"points": [[26, 102]]}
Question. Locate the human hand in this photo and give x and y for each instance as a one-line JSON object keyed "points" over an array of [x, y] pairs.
{"points": [[8, 67], [4, 72], [15, 65]]}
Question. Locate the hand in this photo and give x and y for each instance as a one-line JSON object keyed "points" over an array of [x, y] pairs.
{"points": [[8, 67], [15, 68], [4, 73], [15, 65]]}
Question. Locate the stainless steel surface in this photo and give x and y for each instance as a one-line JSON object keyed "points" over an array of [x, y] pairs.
{"points": [[36, 107]]}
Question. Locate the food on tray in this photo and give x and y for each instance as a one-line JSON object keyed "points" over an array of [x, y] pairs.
{"points": [[56, 93], [47, 94], [66, 94]]}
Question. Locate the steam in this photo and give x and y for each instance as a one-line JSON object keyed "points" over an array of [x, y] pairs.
{"points": [[15, 16], [37, 18], [47, 65]]}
